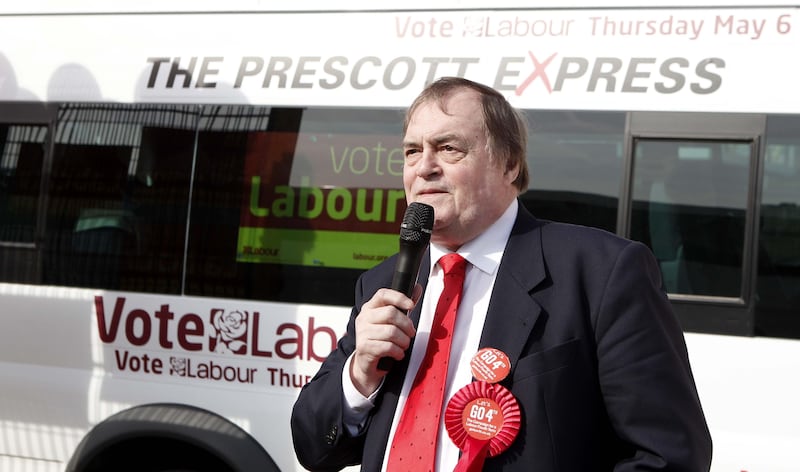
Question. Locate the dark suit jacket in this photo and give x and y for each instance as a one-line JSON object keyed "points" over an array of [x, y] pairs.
{"points": [[599, 363]]}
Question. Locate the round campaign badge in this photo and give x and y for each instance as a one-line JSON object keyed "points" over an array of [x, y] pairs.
{"points": [[482, 419], [490, 365]]}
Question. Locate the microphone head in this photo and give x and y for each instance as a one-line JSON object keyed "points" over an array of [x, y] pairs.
{"points": [[417, 224]]}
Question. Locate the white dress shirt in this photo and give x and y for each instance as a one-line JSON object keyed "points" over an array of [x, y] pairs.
{"points": [[483, 254]]}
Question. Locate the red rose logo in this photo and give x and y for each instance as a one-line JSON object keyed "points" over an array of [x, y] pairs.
{"points": [[231, 331]]}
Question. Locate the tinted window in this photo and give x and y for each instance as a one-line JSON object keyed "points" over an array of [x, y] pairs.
{"points": [[21, 161], [689, 206], [295, 207], [778, 285], [575, 162], [118, 197]]}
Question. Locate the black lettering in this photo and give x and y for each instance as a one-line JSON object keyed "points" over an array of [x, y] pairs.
{"points": [[703, 72], [633, 73], [156, 61], [175, 71], [668, 72], [248, 67], [598, 72]]}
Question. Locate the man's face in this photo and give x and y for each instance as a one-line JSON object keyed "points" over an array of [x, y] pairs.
{"points": [[447, 166]]}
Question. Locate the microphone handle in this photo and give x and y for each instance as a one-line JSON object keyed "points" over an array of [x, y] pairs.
{"points": [[404, 279], [386, 363]]}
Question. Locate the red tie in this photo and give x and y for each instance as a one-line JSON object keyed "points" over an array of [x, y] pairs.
{"points": [[414, 445]]}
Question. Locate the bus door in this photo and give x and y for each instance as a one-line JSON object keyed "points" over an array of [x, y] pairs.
{"points": [[23, 168], [691, 195]]}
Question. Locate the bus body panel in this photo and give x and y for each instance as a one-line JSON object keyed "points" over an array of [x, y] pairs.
{"points": [[74, 377], [188, 194]]}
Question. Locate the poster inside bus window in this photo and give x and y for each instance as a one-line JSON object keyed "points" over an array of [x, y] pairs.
{"points": [[321, 199]]}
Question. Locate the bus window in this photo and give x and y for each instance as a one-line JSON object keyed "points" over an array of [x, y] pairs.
{"points": [[295, 207], [118, 196], [22, 151], [217, 198], [575, 162], [21, 161], [778, 283], [689, 206]]}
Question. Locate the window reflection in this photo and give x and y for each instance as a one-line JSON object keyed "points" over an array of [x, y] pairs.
{"points": [[778, 285], [283, 215], [126, 180], [575, 162], [118, 196], [21, 161], [689, 202]]}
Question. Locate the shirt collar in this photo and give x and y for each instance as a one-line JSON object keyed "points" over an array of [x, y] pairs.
{"points": [[486, 250]]}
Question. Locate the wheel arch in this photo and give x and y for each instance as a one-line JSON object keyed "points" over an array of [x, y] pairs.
{"points": [[199, 428]]}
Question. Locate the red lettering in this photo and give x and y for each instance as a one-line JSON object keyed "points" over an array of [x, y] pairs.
{"points": [[311, 342], [137, 363], [254, 337], [130, 328], [190, 325], [312, 333], [297, 341], [164, 317], [110, 334]]}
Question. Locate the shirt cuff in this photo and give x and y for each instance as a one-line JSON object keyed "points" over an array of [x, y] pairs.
{"points": [[356, 406]]}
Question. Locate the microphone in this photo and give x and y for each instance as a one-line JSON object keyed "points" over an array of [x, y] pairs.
{"points": [[415, 234]]}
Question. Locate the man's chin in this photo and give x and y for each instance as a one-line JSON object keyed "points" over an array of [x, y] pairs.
{"points": [[436, 200]]}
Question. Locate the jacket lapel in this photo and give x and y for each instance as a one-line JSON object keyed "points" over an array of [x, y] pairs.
{"points": [[512, 312]]}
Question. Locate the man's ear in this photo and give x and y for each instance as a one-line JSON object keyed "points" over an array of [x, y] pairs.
{"points": [[512, 171]]}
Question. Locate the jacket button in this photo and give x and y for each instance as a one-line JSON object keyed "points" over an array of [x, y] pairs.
{"points": [[331, 436]]}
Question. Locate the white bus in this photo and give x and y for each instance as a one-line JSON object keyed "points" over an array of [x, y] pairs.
{"points": [[189, 190]]}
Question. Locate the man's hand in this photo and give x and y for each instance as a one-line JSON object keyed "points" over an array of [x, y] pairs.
{"points": [[382, 330]]}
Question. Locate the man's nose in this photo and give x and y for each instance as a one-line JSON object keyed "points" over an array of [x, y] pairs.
{"points": [[428, 164]]}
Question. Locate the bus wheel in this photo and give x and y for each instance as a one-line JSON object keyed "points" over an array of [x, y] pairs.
{"points": [[169, 438]]}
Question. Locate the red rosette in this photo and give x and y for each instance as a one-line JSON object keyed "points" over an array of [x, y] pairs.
{"points": [[471, 420]]}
